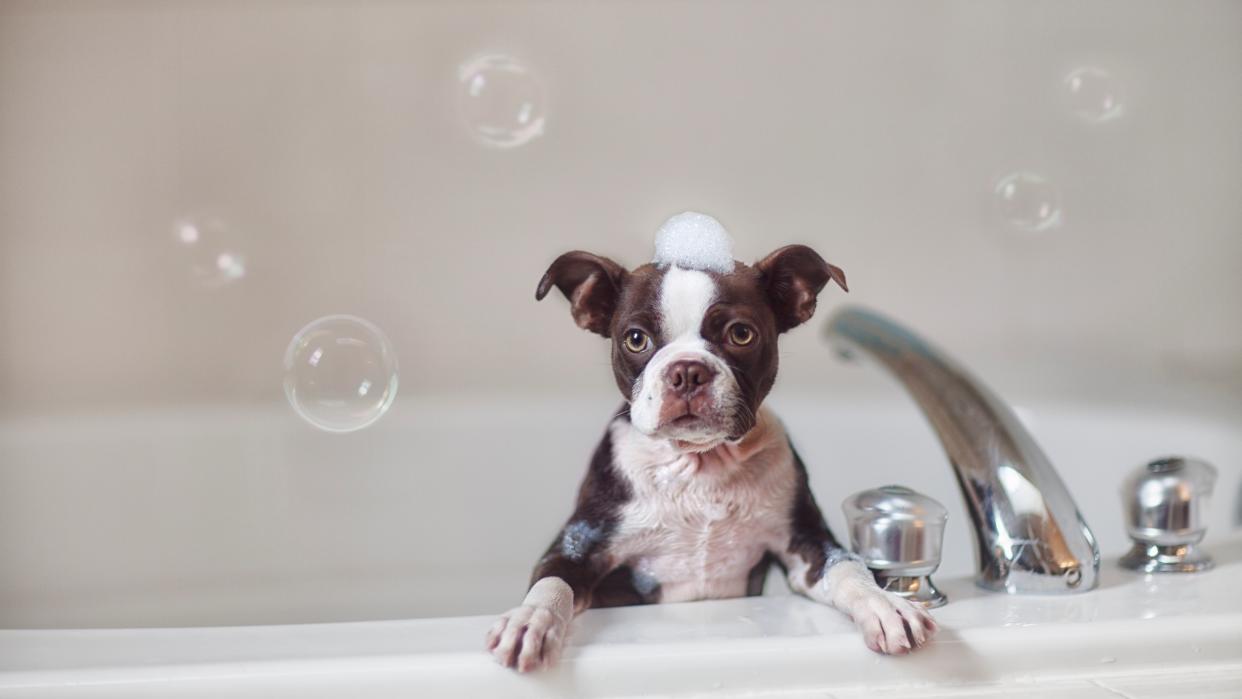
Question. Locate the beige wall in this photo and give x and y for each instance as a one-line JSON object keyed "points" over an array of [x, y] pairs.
{"points": [[327, 135]]}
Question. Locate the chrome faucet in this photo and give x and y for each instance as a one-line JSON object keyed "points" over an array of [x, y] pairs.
{"points": [[1029, 536]]}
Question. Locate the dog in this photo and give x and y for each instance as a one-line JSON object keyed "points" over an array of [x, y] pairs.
{"points": [[695, 490]]}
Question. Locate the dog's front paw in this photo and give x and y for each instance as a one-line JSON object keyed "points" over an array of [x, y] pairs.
{"points": [[891, 624], [527, 638]]}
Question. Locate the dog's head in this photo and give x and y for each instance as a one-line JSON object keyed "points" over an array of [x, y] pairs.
{"points": [[693, 350]]}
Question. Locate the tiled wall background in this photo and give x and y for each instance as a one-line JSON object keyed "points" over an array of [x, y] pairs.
{"points": [[328, 137]]}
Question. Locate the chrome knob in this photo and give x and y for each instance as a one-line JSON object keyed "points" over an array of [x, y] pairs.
{"points": [[1165, 505], [898, 534]]}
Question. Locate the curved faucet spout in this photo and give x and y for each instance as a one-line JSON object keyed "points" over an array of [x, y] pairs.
{"points": [[1029, 535]]}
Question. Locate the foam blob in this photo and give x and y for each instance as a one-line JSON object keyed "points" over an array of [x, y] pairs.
{"points": [[692, 240], [1028, 201], [340, 373], [211, 249], [501, 101]]}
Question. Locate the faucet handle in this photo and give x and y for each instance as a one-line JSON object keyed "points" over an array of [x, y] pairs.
{"points": [[1165, 504], [898, 533]]}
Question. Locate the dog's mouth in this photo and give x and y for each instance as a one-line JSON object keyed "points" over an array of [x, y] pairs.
{"points": [[681, 414], [706, 428], [688, 419], [690, 426]]}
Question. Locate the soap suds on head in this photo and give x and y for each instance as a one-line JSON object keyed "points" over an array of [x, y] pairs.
{"points": [[692, 240]]}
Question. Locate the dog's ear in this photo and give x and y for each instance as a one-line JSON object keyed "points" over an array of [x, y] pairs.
{"points": [[591, 283], [793, 276]]}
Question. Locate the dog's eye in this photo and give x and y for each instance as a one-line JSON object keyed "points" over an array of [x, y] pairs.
{"points": [[741, 334], [636, 341]]}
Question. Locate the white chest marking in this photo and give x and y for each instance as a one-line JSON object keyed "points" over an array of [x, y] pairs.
{"points": [[698, 523]]}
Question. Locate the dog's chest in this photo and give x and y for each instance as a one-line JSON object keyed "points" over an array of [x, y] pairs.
{"points": [[698, 524]]}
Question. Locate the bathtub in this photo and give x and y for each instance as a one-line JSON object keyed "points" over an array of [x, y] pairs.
{"points": [[235, 551], [184, 185]]}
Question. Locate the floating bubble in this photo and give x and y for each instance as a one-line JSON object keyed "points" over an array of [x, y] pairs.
{"points": [[1028, 201], [501, 101], [1094, 95], [340, 373], [211, 249]]}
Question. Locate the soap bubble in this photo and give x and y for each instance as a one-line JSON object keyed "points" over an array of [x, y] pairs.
{"points": [[1028, 201], [501, 101], [1093, 95], [340, 373], [211, 250]]}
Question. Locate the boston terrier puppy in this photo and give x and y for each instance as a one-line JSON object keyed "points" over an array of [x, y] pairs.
{"points": [[694, 490]]}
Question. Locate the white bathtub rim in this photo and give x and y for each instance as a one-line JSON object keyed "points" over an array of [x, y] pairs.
{"points": [[1132, 624]]}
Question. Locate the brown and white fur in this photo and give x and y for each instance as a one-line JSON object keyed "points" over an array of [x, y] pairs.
{"points": [[694, 490]]}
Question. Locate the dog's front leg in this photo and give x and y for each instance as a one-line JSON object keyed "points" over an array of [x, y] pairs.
{"points": [[889, 623], [531, 635], [823, 570]]}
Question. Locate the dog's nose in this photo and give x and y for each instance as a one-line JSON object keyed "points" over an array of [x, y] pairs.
{"points": [[687, 375]]}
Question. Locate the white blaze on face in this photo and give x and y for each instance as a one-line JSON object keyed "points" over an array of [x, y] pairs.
{"points": [[685, 297]]}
